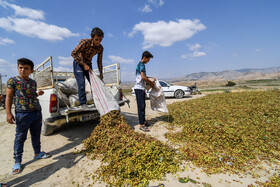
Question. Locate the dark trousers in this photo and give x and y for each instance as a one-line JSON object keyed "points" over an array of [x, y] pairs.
{"points": [[25, 121], [80, 74], [141, 104]]}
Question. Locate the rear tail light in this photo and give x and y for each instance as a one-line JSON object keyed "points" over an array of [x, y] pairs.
{"points": [[53, 103], [121, 95]]}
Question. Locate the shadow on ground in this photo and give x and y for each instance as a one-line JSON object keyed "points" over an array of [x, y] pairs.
{"points": [[76, 133]]}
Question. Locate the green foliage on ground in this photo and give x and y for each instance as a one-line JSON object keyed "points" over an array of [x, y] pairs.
{"points": [[228, 132], [128, 157]]}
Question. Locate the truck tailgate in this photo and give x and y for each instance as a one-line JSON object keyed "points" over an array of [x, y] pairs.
{"points": [[66, 111]]}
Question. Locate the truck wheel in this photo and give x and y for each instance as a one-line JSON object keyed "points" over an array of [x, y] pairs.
{"points": [[179, 94], [47, 129]]}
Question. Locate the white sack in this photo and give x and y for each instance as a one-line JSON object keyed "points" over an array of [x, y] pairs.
{"points": [[103, 98], [157, 98], [74, 99], [63, 100], [69, 86]]}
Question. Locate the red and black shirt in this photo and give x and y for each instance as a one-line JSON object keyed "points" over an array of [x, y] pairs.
{"points": [[87, 49]]}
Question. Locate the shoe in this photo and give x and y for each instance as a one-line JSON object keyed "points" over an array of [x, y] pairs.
{"points": [[144, 128], [16, 169], [42, 155], [148, 124]]}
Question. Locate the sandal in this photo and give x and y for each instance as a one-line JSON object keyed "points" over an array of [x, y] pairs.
{"points": [[148, 124], [144, 128], [42, 155], [16, 169]]}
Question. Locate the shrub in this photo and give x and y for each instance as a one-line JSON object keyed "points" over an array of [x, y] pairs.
{"points": [[230, 84]]}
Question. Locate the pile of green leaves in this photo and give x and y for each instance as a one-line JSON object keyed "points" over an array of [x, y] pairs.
{"points": [[230, 131], [273, 181], [128, 157]]}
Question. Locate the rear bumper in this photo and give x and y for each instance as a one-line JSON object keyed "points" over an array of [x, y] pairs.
{"points": [[75, 116]]}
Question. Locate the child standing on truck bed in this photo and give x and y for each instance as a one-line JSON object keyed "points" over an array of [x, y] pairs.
{"points": [[139, 88], [82, 55], [27, 112]]}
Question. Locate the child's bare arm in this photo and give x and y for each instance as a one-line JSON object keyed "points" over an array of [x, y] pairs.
{"points": [[9, 99]]}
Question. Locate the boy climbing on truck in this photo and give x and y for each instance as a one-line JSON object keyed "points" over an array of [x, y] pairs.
{"points": [[28, 114], [82, 55]]}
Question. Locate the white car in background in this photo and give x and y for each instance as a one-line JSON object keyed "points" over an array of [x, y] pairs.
{"points": [[170, 90]]}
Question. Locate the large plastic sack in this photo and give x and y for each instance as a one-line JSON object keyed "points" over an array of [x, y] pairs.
{"points": [[69, 86], [74, 99], [63, 100], [103, 98], [157, 98]]}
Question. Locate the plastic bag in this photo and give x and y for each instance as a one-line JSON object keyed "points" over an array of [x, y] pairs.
{"points": [[157, 98], [74, 99], [69, 86], [103, 98], [63, 100]]}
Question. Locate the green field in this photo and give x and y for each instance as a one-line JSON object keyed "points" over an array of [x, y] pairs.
{"points": [[228, 132]]}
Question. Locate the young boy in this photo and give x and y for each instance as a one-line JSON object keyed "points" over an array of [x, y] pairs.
{"points": [[139, 88], [27, 112], [83, 54]]}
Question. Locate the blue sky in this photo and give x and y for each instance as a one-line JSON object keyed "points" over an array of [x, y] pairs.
{"points": [[185, 36]]}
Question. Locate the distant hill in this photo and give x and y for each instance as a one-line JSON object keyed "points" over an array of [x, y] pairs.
{"points": [[241, 74]]}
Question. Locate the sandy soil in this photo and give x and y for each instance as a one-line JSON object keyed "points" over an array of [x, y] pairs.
{"points": [[65, 168]]}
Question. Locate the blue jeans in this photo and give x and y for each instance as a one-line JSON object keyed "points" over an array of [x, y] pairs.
{"points": [[80, 74], [141, 104], [25, 121]]}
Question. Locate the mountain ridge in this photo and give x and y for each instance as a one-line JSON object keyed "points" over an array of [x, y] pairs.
{"points": [[240, 74]]}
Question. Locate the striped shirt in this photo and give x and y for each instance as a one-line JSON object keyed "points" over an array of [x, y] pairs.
{"points": [[87, 49]]}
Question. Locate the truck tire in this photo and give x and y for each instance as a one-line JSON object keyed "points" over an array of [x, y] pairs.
{"points": [[47, 129], [179, 94]]}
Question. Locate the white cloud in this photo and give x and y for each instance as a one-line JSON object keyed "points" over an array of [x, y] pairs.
{"points": [[234, 55], [157, 2], [258, 50], [4, 62], [4, 41], [62, 69], [26, 12], [29, 25], [198, 54], [118, 59], [65, 61], [34, 28], [146, 8], [193, 55], [110, 35], [166, 33], [195, 47]]}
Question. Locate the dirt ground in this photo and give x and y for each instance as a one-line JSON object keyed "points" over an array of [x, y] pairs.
{"points": [[65, 168]]}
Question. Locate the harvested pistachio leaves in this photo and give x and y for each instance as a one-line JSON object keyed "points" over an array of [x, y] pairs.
{"points": [[229, 132], [128, 157]]}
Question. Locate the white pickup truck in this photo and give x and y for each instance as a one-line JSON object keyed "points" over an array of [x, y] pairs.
{"points": [[53, 114]]}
